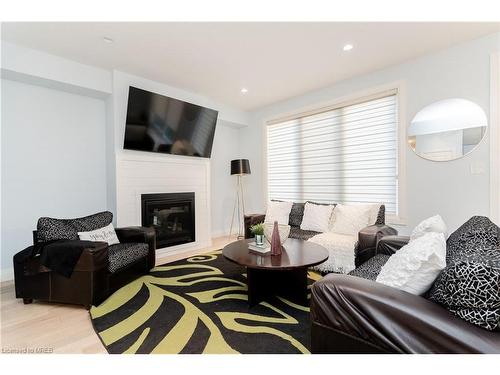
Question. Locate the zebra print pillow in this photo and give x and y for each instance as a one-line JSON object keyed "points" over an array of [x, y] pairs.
{"points": [[469, 286], [50, 229], [296, 214]]}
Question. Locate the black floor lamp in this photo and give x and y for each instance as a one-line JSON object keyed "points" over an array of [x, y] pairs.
{"points": [[239, 167]]}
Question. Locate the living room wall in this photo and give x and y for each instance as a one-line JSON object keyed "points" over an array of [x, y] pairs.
{"points": [[53, 160], [447, 188]]}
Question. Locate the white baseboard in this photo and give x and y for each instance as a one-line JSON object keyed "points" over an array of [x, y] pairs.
{"points": [[184, 248], [220, 233]]}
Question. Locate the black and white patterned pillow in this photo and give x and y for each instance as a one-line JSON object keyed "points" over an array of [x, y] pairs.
{"points": [[296, 214], [469, 286], [50, 229], [478, 235], [470, 289]]}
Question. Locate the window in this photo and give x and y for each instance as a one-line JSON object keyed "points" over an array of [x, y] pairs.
{"points": [[345, 154]]}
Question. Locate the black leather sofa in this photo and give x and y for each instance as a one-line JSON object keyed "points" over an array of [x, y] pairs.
{"points": [[367, 237], [355, 314], [99, 271]]}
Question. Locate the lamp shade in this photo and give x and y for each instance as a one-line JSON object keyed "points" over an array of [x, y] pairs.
{"points": [[240, 166]]}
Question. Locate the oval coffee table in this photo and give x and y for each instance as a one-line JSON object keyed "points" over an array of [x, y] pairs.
{"points": [[271, 275]]}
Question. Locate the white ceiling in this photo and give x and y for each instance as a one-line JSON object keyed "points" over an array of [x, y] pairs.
{"points": [[274, 61]]}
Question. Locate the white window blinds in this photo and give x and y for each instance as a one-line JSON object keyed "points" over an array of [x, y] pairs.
{"points": [[340, 155]]}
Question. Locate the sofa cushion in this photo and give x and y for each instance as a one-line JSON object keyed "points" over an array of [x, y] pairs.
{"points": [[124, 254], [431, 224], [479, 235], [50, 229], [469, 285], [371, 268], [416, 265], [106, 234], [300, 234], [296, 214], [470, 289], [278, 211], [316, 217], [374, 212], [350, 219]]}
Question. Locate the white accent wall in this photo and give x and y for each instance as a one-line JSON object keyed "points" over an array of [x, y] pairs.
{"points": [[139, 174], [148, 173]]}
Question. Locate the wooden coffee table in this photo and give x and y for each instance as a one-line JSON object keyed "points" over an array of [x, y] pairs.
{"points": [[284, 275]]}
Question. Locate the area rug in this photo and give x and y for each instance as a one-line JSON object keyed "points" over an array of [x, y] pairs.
{"points": [[199, 305]]}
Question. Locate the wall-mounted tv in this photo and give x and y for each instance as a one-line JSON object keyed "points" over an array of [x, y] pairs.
{"points": [[157, 123]]}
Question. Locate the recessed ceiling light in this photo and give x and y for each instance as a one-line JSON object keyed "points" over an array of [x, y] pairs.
{"points": [[244, 90], [348, 47], [108, 40]]}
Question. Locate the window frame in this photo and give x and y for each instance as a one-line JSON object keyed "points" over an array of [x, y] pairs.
{"points": [[399, 86]]}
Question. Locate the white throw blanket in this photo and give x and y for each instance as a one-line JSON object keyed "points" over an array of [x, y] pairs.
{"points": [[341, 250]]}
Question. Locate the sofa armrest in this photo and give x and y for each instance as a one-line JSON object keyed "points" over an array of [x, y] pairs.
{"points": [[393, 320], [367, 241], [250, 220], [92, 258], [140, 235], [390, 244]]}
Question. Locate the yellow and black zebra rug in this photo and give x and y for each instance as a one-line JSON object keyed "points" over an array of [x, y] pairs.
{"points": [[199, 305]]}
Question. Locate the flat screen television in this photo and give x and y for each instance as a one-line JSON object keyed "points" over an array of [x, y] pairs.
{"points": [[157, 123]]}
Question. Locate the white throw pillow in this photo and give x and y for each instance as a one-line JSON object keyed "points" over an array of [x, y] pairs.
{"points": [[316, 217], [106, 234], [350, 219], [374, 209], [432, 224], [415, 266], [278, 211]]}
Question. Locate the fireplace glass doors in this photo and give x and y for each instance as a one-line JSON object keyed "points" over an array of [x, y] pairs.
{"points": [[171, 215]]}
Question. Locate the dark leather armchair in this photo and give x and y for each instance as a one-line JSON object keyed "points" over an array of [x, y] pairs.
{"points": [[99, 271], [357, 315]]}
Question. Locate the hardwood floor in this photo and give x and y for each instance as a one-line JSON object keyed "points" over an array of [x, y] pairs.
{"points": [[54, 327]]}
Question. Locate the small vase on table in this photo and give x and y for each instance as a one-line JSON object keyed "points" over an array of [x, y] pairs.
{"points": [[276, 241]]}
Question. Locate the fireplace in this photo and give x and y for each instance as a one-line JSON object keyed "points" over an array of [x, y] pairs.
{"points": [[171, 215]]}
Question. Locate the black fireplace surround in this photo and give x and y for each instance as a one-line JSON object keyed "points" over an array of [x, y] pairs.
{"points": [[172, 217]]}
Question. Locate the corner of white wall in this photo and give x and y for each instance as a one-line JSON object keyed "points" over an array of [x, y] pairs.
{"points": [[40, 68]]}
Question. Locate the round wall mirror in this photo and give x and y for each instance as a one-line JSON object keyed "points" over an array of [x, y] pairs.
{"points": [[447, 130]]}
